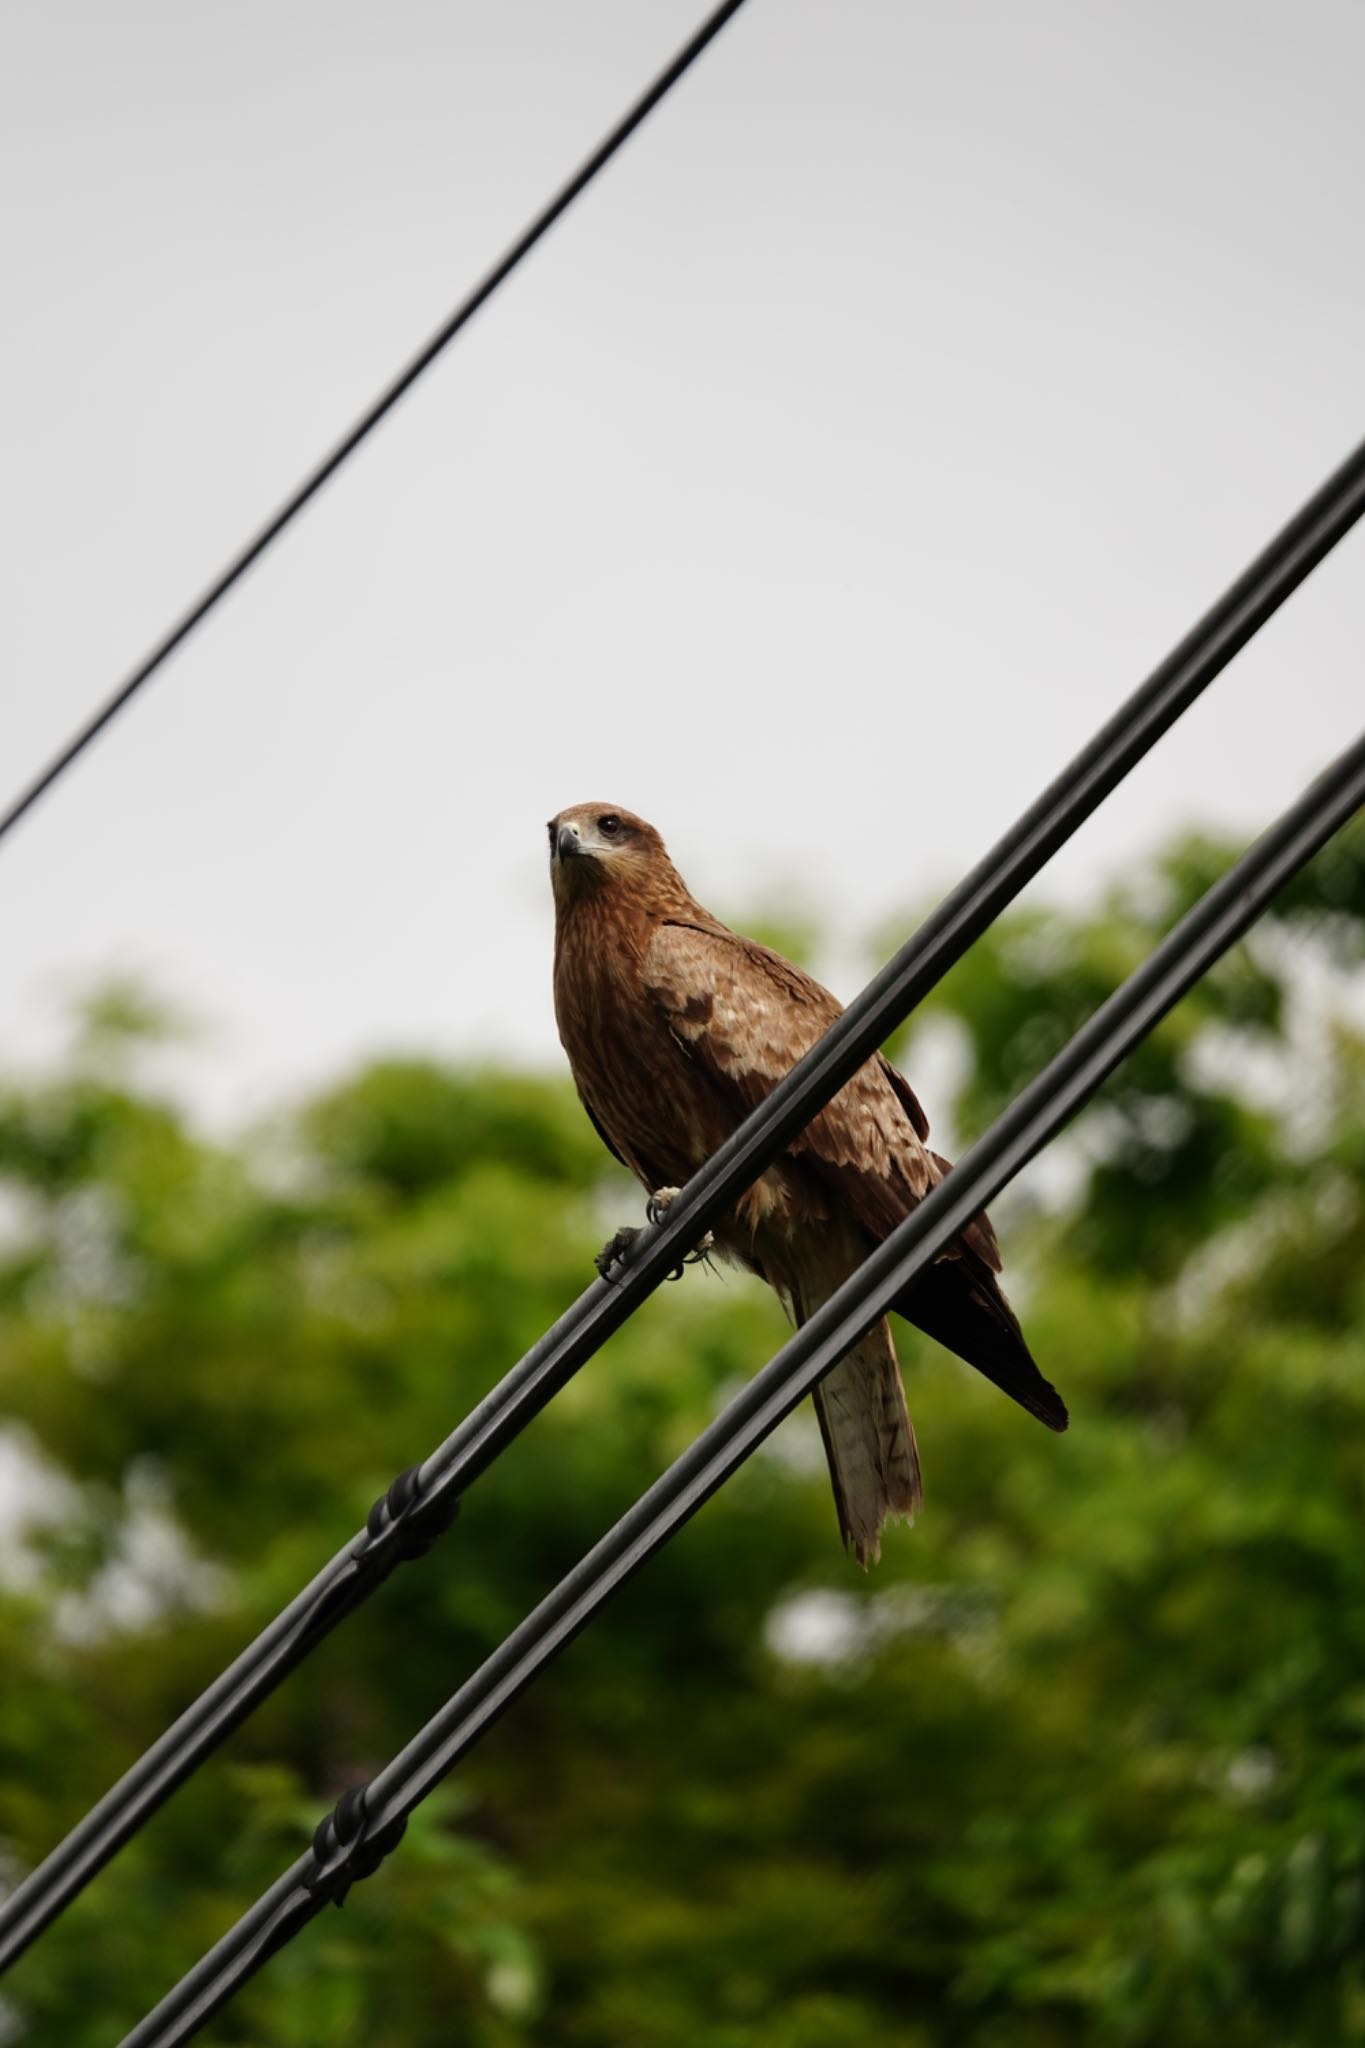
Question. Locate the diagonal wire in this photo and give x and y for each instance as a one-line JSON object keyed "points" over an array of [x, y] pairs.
{"points": [[351, 1842], [286, 513], [350, 1577]]}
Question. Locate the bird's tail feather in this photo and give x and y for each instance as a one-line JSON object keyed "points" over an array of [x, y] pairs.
{"points": [[868, 1436], [870, 1444]]}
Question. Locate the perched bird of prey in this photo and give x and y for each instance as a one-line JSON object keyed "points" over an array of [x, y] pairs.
{"points": [[675, 1027]]}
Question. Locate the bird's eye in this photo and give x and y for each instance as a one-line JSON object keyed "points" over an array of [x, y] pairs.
{"points": [[610, 825]]}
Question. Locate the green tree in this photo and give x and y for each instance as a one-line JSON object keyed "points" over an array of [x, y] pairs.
{"points": [[1081, 1762]]}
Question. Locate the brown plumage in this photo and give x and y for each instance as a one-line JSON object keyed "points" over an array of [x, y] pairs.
{"points": [[675, 1027]]}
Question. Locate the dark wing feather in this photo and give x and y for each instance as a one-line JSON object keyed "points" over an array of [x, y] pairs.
{"points": [[959, 1303], [595, 1120], [909, 1101], [979, 1235]]}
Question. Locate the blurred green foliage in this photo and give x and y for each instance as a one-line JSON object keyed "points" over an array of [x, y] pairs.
{"points": [[1082, 1762]]}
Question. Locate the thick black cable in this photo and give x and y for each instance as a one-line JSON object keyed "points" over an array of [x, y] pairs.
{"points": [[254, 548], [526, 1388], [353, 1841]]}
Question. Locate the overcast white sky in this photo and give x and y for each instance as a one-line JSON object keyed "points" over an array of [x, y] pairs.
{"points": [[898, 398]]}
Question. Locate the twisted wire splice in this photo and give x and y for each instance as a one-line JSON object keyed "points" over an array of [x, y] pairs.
{"points": [[345, 1850], [403, 1523]]}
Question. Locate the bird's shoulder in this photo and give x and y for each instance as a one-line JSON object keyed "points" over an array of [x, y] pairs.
{"points": [[749, 1005]]}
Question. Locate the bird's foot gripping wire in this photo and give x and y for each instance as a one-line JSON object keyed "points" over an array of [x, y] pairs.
{"points": [[617, 1249]]}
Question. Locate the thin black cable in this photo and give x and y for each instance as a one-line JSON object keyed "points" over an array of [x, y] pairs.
{"points": [[352, 1841], [383, 404], [355, 1571]]}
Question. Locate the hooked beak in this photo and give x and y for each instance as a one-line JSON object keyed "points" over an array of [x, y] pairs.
{"points": [[567, 845]]}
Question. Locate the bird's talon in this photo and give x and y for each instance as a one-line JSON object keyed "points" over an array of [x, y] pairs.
{"points": [[657, 1207], [615, 1251]]}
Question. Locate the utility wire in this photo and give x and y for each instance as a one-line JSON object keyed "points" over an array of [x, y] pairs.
{"points": [[422, 1501], [274, 526], [353, 1840]]}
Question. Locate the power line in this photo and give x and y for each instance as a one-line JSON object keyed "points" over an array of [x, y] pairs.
{"points": [[274, 526], [421, 1503], [353, 1840]]}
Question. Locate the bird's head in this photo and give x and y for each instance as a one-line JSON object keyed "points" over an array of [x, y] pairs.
{"points": [[600, 846]]}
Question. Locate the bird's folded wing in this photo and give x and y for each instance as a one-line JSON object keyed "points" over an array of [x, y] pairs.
{"points": [[745, 1016]]}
